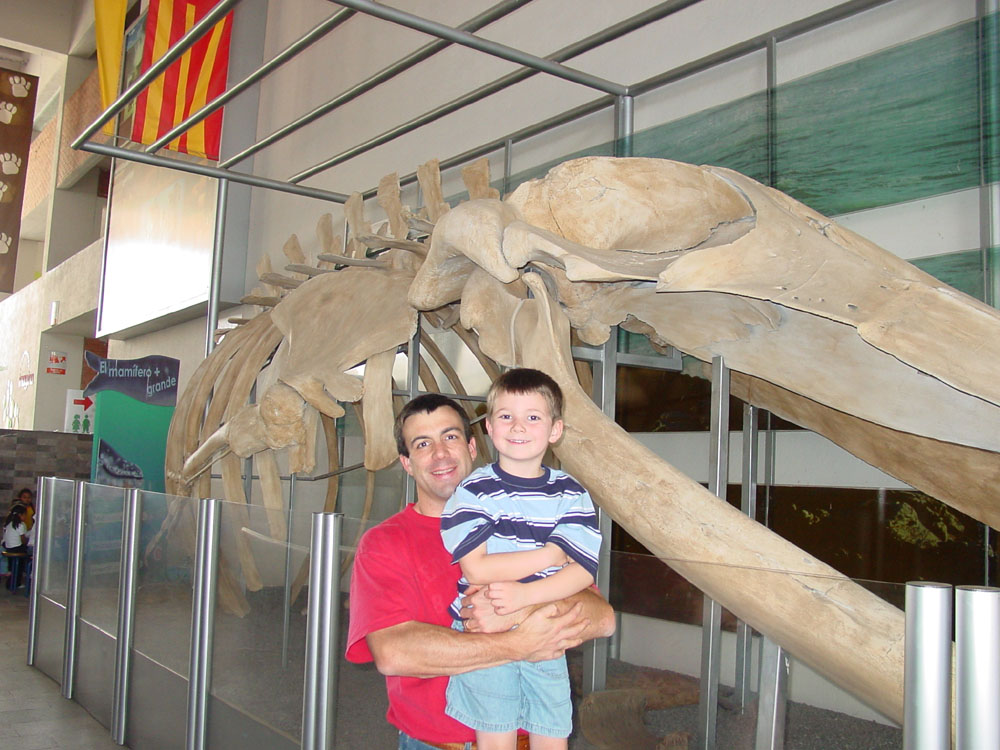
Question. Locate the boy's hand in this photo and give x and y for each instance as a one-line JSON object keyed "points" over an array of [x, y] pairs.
{"points": [[480, 616], [508, 597]]}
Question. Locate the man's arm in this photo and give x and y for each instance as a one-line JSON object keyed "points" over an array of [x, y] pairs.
{"points": [[481, 617], [417, 649]]}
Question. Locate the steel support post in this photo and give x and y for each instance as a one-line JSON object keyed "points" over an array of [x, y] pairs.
{"points": [[927, 667], [508, 160], [319, 697], [73, 590], [977, 667], [43, 497], [711, 625], [773, 697], [202, 623], [285, 624], [595, 652], [748, 504], [413, 386], [989, 149], [215, 283], [624, 125], [131, 524]]}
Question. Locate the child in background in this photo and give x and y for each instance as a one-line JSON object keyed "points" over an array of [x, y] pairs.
{"points": [[529, 533]]}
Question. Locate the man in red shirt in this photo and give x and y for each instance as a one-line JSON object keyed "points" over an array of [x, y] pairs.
{"points": [[403, 582]]}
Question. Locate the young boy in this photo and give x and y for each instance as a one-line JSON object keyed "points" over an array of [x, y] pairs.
{"points": [[530, 534]]}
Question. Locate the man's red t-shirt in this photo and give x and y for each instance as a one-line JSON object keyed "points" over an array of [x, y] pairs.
{"points": [[402, 572]]}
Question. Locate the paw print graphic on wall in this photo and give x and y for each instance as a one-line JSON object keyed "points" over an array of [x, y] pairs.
{"points": [[4, 190], [5, 240], [20, 86], [10, 163], [7, 112]]}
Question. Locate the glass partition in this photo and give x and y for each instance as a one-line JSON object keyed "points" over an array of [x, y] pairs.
{"points": [[658, 652], [58, 522], [163, 580], [102, 542]]}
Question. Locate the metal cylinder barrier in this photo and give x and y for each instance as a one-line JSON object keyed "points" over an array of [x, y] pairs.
{"points": [[927, 667], [977, 668], [73, 591], [202, 623], [319, 697], [43, 497], [126, 613], [773, 700]]}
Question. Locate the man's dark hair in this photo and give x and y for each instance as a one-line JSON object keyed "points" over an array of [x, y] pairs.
{"points": [[525, 380], [429, 402]]}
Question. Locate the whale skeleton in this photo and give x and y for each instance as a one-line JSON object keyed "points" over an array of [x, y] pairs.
{"points": [[819, 326]]}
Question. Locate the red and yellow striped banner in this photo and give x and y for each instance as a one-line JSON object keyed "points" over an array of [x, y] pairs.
{"points": [[189, 83]]}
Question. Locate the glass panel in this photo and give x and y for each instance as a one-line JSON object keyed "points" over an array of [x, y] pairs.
{"points": [[660, 652], [164, 579], [102, 546], [58, 522], [262, 552]]}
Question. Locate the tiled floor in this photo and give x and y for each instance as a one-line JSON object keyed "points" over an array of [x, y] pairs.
{"points": [[33, 713]]}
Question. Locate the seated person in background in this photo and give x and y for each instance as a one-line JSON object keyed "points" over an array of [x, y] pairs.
{"points": [[530, 535], [26, 497], [15, 539]]}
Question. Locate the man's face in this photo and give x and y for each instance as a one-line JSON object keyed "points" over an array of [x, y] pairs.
{"points": [[440, 457]]}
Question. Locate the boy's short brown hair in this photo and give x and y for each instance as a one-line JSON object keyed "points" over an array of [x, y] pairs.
{"points": [[526, 380]]}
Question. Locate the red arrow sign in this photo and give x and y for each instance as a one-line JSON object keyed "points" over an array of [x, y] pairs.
{"points": [[85, 402]]}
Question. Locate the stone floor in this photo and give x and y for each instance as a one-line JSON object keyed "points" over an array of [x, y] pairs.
{"points": [[33, 713]]}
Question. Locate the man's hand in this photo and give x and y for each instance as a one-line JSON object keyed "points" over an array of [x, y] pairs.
{"points": [[480, 616], [508, 597], [545, 635]]}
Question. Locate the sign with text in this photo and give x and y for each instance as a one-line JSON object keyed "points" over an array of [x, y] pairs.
{"points": [[134, 401]]}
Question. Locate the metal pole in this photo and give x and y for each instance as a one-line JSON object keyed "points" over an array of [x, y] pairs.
{"points": [[73, 590], [215, 282], [495, 13], [624, 125], [202, 624], [748, 504], [577, 48], [273, 64], [413, 386], [43, 496], [772, 114], [977, 667], [288, 572], [711, 627], [206, 171], [193, 35], [773, 697], [927, 667], [496, 49], [508, 159], [989, 149], [126, 613], [595, 652], [319, 699]]}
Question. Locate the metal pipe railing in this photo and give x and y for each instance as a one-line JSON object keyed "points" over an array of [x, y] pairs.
{"points": [[73, 591], [977, 667], [182, 45], [202, 624], [131, 523], [303, 42], [319, 709], [927, 667], [417, 56]]}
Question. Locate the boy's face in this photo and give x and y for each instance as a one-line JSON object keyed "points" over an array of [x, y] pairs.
{"points": [[522, 429]]}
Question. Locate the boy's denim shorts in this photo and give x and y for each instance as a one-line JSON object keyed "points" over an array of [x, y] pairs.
{"points": [[533, 696]]}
